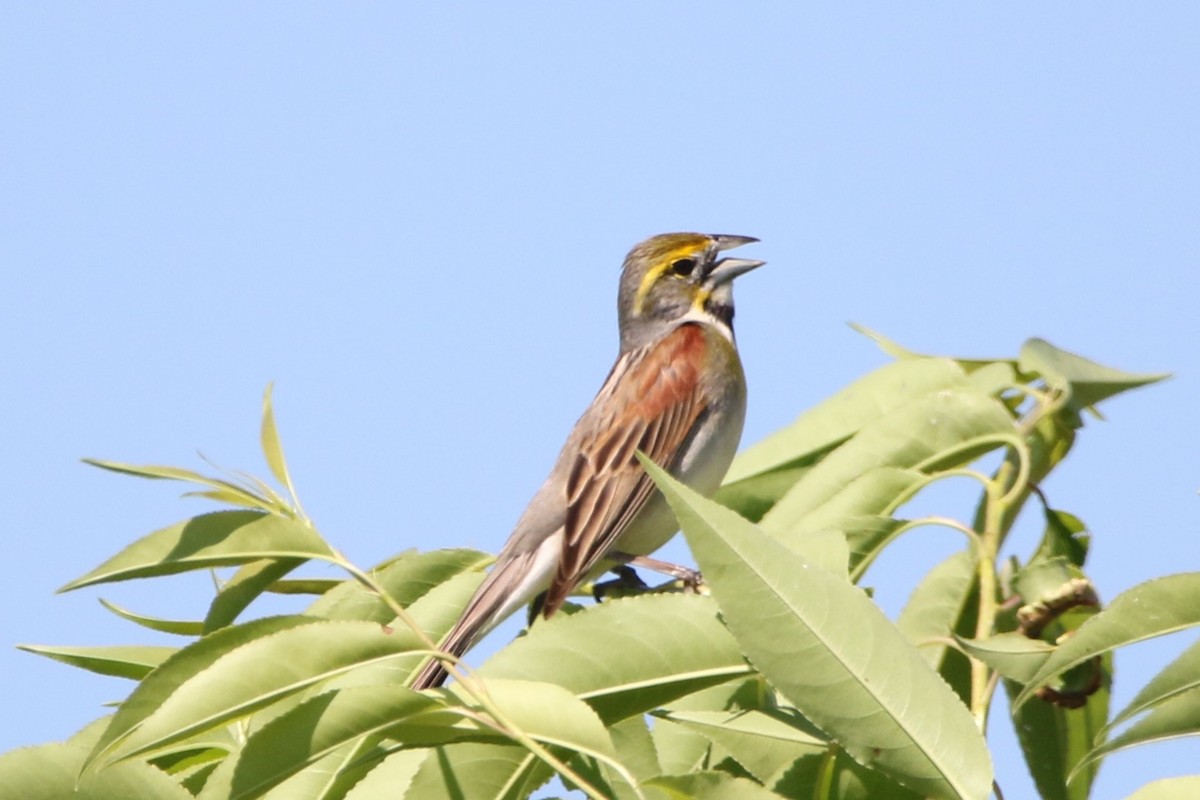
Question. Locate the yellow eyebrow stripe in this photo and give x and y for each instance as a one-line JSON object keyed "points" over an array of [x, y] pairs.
{"points": [[654, 273]]}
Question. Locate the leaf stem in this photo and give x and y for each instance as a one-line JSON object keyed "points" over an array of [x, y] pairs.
{"points": [[989, 546]]}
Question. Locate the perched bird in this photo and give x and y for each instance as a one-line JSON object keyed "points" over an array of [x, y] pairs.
{"points": [[677, 393]]}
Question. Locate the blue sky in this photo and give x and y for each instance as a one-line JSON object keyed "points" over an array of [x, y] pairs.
{"points": [[411, 218]]}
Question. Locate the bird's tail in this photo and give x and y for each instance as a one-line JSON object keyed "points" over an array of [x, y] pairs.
{"points": [[511, 584]]}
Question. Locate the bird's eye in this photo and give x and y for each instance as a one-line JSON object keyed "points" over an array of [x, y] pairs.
{"points": [[683, 266]]}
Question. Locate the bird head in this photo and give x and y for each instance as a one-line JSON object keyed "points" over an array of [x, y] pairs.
{"points": [[675, 277]]}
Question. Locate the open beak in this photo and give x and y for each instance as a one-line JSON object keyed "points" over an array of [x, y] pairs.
{"points": [[728, 242], [727, 269]]}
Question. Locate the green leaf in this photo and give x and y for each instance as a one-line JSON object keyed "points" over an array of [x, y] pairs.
{"points": [[635, 748], [547, 713], [834, 775], [271, 446], [1086, 382], [1065, 536], [222, 490], [705, 786], [826, 548], [937, 431], [161, 684], [1013, 655], [626, 656], [317, 586], [317, 728], [390, 778], [121, 661], [866, 495], [1180, 676], [995, 374], [1150, 609], [841, 416], [1172, 719], [754, 496], [219, 539], [178, 627], [244, 587], [328, 778], [863, 684], [933, 609], [51, 772], [680, 749], [261, 672], [87, 736], [405, 579], [762, 742], [475, 772], [1183, 788], [1054, 741]]}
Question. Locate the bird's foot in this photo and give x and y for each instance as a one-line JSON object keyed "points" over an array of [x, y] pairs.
{"points": [[686, 579]]}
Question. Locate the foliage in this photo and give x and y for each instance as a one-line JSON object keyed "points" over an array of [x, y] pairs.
{"points": [[786, 682]]}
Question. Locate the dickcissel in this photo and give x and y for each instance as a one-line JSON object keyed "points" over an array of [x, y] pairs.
{"points": [[677, 393]]}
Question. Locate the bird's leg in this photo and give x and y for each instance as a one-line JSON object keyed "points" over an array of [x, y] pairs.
{"points": [[691, 579], [627, 582]]}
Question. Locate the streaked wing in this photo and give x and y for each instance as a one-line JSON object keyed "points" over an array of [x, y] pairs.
{"points": [[651, 402]]}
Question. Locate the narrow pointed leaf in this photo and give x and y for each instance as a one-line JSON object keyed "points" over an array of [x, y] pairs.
{"points": [[261, 672], [327, 778], [1087, 381], [705, 786], [231, 498], [841, 416], [763, 743], [680, 749], [1181, 675], [1013, 655], [860, 682], [157, 687], [317, 586], [947, 428], [871, 493], [407, 578], [218, 539], [836, 776], [222, 490], [755, 495], [271, 446], [87, 736], [1154, 608], [626, 656], [434, 612], [180, 627], [120, 661], [250, 581], [1055, 740], [999, 372], [635, 747], [316, 728], [390, 778], [933, 609], [1173, 719], [547, 713], [477, 772], [51, 772]]}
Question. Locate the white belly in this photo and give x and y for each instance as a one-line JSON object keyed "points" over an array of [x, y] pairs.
{"points": [[702, 468]]}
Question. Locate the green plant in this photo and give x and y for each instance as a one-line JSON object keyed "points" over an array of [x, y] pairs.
{"points": [[786, 682]]}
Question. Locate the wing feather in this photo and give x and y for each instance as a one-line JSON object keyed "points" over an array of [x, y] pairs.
{"points": [[653, 403]]}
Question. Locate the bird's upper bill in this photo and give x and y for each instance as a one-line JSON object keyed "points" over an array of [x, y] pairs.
{"points": [[727, 269]]}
